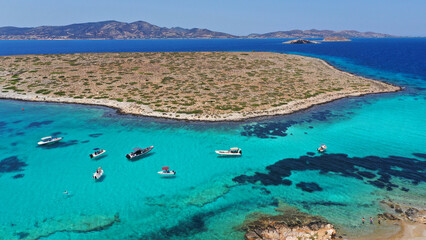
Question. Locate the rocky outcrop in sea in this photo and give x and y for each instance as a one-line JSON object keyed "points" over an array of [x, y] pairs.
{"points": [[290, 225], [397, 212], [300, 41]]}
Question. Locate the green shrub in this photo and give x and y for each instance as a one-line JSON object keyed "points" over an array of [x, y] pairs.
{"points": [[60, 93], [191, 112]]}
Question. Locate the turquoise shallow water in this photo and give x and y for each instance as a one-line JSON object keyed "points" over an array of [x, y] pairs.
{"points": [[210, 197], [203, 191]]}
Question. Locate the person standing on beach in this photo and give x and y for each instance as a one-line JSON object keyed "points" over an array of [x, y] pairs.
{"points": [[363, 220], [371, 220], [378, 220]]}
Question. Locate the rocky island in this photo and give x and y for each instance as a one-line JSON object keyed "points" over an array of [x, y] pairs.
{"points": [[210, 86], [336, 39], [300, 41]]}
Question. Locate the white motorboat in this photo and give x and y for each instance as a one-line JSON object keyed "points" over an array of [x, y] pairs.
{"points": [[98, 174], [232, 152], [167, 172], [137, 152], [98, 153], [49, 140], [322, 148]]}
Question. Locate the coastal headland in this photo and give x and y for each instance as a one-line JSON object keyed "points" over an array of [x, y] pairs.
{"points": [[208, 86], [397, 221]]}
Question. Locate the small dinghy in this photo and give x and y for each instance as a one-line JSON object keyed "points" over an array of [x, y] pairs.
{"points": [[137, 152], [49, 140], [97, 153], [232, 152], [166, 172], [98, 174], [322, 148]]}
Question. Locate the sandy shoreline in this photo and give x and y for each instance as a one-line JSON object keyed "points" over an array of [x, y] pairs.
{"points": [[396, 230], [143, 110]]}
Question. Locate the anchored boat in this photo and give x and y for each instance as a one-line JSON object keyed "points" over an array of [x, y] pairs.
{"points": [[49, 140], [97, 153], [322, 148], [98, 174], [232, 152], [166, 172], [137, 152]]}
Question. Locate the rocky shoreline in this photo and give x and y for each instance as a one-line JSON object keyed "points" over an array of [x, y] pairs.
{"points": [[290, 225], [397, 212], [143, 110], [397, 222]]}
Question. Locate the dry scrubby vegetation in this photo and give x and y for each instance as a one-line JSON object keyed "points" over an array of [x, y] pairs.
{"points": [[180, 82]]}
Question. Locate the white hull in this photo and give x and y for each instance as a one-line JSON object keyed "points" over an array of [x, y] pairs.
{"points": [[227, 153], [322, 149], [55, 140], [167, 174], [94, 155], [97, 175], [138, 153]]}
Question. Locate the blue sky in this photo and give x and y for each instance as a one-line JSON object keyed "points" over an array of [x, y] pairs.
{"points": [[241, 17]]}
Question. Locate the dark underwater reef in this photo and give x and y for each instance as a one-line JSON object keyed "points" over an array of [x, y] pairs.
{"points": [[384, 169], [197, 223], [12, 164], [276, 129]]}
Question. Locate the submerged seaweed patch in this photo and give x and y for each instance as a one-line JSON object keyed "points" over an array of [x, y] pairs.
{"points": [[324, 203], [411, 169], [22, 235], [197, 222], [309, 187], [95, 135], [39, 124], [324, 115], [57, 133], [267, 129], [185, 228], [12, 164], [18, 176], [274, 129], [420, 155], [367, 174], [309, 205]]}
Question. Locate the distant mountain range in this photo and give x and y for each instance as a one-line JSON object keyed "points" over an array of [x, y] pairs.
{"points": [[145, 30]]}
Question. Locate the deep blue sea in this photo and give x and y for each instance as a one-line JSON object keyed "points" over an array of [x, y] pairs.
{"points": [[376, 150]]}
